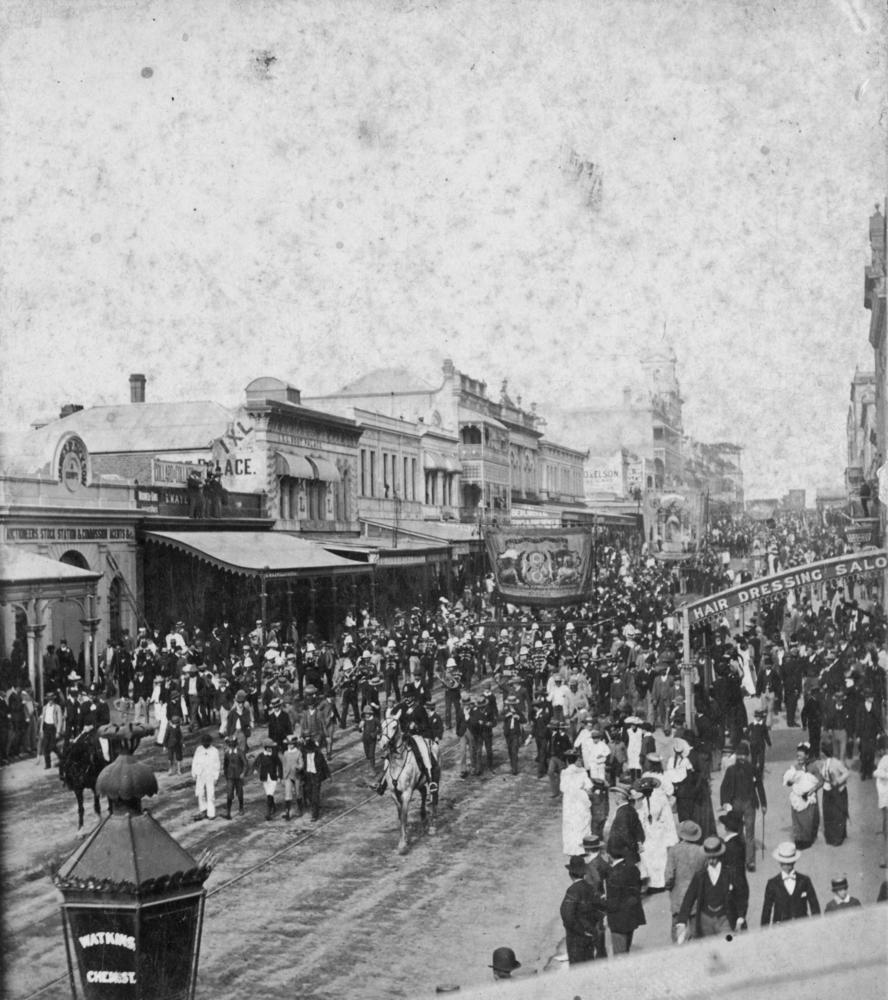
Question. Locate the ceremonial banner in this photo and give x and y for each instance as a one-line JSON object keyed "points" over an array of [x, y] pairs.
{"points": [[540, 565], [839, 568]]}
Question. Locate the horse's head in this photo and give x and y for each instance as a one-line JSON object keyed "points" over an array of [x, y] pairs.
{"points": [[389, 734]]}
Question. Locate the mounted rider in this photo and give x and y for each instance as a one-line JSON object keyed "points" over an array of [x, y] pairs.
{"points": [[414, 723]]}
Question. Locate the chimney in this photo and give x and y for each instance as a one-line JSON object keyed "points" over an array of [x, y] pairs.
{"points": [[68, 409], [137, 388]]}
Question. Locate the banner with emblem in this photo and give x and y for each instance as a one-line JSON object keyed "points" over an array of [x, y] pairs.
{"points": [[540, 566]]}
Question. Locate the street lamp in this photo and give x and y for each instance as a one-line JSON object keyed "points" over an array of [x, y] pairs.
{"points": [[133, 898]]}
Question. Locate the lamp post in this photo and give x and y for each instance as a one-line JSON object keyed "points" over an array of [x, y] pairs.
{"points": [[133, 898]]}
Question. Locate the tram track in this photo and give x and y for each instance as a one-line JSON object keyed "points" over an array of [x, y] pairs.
{"points": [[330, 820]]}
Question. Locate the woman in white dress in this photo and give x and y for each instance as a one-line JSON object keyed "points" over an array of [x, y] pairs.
{"points": [[655, 813], [576, 816]]}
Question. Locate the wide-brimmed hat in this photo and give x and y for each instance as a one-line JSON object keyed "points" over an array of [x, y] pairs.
{"points": [[786, 853], [713, 847], [504, 960], [689, 831]]}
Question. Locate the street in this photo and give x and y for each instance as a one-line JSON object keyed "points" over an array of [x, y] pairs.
{"points": [[336, 912]]}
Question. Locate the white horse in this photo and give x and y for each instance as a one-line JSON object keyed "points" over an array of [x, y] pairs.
{"points": [[405, 776]]}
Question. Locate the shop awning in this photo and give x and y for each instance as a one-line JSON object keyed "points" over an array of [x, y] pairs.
{"points": [[18, 566], [461, 538], [294, 465], [29, 579], [267, 554], [407, 552], [432, 460], [325, 469]]}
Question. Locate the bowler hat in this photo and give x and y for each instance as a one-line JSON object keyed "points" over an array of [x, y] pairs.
{"points": [[504, 960], [577, 866], [689, 831]]}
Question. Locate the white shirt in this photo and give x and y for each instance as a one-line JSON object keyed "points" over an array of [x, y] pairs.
{"points": [[789, 883], [713, 871]]}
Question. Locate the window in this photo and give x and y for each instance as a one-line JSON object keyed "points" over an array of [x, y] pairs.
{"points": [[363, 472], [412, 478], [406, 478], [372, 473]]}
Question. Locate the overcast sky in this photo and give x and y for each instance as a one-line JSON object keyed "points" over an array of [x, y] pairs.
{"points": [[211, 191]]}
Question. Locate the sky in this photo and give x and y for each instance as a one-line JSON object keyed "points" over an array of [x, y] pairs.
{"points": [[208, 191]]}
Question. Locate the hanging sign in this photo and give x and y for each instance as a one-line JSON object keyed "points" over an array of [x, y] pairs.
{"points": [[841, 567]]}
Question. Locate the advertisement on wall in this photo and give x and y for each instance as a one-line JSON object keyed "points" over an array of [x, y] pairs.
{"points": [[240, 459], [603, 474], [540, 566]]}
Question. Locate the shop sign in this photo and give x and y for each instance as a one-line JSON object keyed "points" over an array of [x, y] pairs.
{"points": [[73, 464], [242, 463], [174, 473], [858, 563], [40, 533], [862, 532], [603, 474]]}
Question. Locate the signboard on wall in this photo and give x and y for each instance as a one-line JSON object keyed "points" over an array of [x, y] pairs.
{"points": [[242, 462], [603, 474]]}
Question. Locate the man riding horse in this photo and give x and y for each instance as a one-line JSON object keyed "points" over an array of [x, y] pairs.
{"points": [[415, 725]]}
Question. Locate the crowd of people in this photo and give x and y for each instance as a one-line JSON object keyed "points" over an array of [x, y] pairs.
{"points": [[587, 691]]}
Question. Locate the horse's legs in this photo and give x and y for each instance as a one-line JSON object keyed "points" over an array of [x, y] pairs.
{"points": [[78, 793], [422, 804], [403, 802]]}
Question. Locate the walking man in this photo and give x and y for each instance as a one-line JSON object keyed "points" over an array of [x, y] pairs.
{"points": [[205, 769], [743, 790], [789, 895]]}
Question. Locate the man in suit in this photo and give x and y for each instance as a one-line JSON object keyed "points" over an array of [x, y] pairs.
{"points": [[789, 895], [624, 910], [743, 790], [713, 891], [626, 833], [683, 861], [582, 911]]}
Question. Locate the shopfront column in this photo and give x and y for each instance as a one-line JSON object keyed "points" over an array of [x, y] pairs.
{"points": [[35, 672]]}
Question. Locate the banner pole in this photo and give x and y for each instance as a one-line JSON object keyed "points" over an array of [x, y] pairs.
{"points": [[688, 670]]}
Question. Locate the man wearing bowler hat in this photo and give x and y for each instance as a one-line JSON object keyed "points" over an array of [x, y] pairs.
{"points": [[789, 895], [504, 963], [713, 891], [582, 912]]}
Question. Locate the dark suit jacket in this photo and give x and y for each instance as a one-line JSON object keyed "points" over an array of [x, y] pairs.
{"points": [[626, 833], [725, 887], [779, 905], [624, 909], [735, 859]]}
